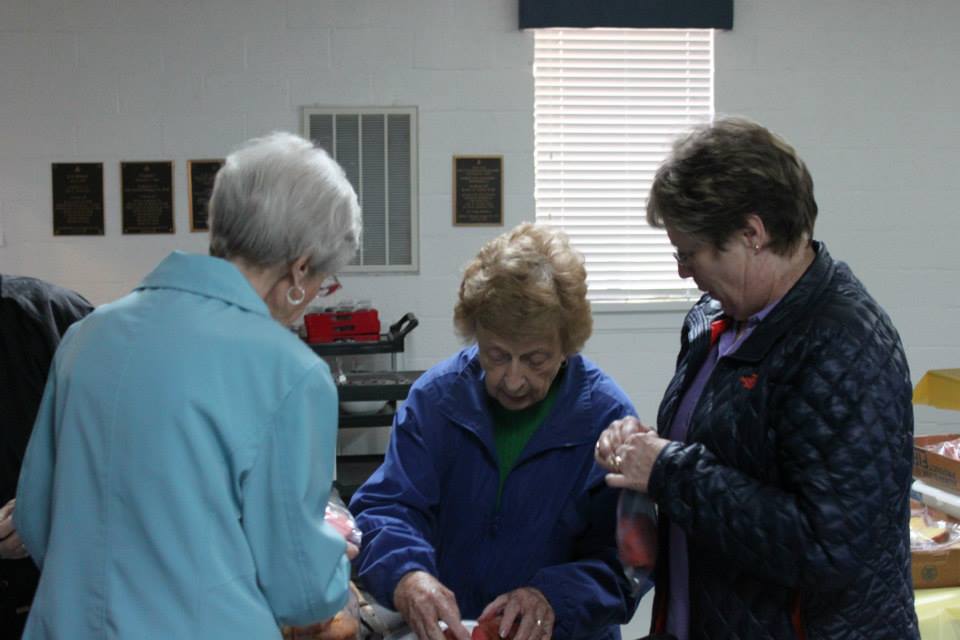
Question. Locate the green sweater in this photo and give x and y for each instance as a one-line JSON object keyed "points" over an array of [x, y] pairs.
{"points": [[513, 429]]}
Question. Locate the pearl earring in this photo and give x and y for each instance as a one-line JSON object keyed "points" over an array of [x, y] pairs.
{"points": [[300, 295]]}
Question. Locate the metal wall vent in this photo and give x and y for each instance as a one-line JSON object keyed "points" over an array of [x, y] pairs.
{"points": [[377, 148]]}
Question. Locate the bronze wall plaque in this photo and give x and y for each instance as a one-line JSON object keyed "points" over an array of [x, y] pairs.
{"points": [[200, 177], [147, 191], [77, 198], [478, 190]]}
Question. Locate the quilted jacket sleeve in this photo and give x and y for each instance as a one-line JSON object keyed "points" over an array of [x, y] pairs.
{"points": [[839, 421]]}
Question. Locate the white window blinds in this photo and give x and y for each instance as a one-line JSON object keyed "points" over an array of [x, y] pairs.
{"points": [[608, 104]]}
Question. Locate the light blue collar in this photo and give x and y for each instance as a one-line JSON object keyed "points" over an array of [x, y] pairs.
{"points": [[205, 276]]}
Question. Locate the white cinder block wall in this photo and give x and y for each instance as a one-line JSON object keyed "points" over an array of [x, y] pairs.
{"points": [[862, 88]]}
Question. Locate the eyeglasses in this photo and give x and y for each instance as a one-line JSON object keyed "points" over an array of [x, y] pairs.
{"points": [[328, 286], [684, 258]]}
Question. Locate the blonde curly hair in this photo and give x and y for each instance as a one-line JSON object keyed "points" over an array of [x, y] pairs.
{"points": [[528, 282]]}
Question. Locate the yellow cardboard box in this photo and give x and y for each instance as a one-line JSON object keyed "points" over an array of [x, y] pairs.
{"points": [[939, 388], [937, 610]]}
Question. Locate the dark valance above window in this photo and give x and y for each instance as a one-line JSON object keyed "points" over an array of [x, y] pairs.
{"points": [[638, 14]]}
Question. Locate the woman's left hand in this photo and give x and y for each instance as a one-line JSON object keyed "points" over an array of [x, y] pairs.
{"points": [[526, 606], [615, 435], [628, 449]]}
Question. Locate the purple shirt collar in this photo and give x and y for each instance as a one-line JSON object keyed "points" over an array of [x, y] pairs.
{"points": [[729, 341]]}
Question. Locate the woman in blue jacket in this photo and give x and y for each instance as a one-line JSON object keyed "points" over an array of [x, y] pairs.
{"points": [[175, 482], [489, 502]]}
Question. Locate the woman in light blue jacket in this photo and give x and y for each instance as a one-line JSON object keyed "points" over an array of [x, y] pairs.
{"points": [[175, 482]]}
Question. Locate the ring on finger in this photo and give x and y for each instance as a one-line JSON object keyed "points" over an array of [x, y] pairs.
{"points": [[539, 622], [617, 461]]}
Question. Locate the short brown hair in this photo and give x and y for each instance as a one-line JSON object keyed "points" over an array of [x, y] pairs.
{"points": [[526, 282], [722, 172]]}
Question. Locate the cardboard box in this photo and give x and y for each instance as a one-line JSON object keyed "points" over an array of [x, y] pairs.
{"points": [[939, 388], [936, 568], [933, 468]]}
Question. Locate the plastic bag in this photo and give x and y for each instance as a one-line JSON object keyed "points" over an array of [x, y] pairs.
{"points": [[947, 448], [931, 529], [340, 518], [637, 537]]}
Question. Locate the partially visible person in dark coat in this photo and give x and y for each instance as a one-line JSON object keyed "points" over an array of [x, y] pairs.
{"points": [[781, 463], [34, 315]]}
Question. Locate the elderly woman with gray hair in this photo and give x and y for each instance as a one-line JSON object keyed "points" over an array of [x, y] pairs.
{"points": [[176, 479]]}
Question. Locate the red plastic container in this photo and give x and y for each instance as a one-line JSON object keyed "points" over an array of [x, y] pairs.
{"points": [[333, 326]]}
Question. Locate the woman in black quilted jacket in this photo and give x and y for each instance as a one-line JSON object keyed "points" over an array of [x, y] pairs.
{"points": [[781, 462]]}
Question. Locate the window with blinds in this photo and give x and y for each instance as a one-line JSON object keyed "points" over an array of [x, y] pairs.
{"points": [[608, 104], [377, 150]]}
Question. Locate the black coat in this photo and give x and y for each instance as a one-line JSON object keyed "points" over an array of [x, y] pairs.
{"points": [[793, 484], [34, 315]]}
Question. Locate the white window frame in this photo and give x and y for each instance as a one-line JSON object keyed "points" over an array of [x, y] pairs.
{"points": [[412, 112], [608, 104]]}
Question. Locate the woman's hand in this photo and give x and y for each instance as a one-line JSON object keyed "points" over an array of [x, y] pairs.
{"points": [[422, 600], [526, 606], [612, 437], [10, 546], [629, 449]]}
